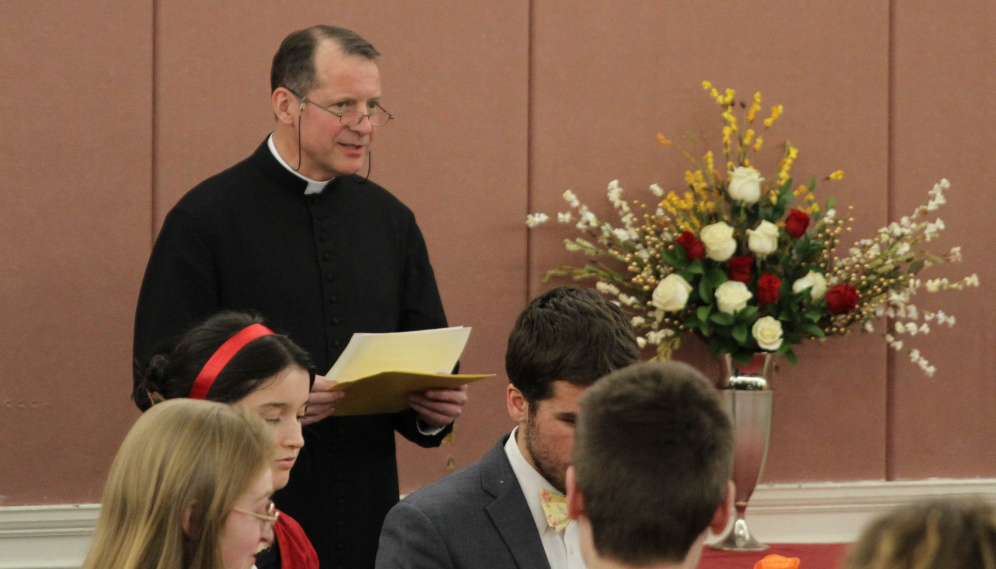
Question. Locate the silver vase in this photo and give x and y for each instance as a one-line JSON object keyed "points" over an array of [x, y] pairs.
{"points": [[750, 412]]}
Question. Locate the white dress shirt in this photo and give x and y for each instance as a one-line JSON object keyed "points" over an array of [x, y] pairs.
{"points": [[563, 549]]}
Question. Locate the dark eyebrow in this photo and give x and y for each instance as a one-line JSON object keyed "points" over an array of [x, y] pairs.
{"points": [[274, 405], [567, 417]]}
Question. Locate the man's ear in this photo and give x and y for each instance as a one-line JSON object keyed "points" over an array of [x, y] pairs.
{"points": [[722, 516], [575, 501], [518, 407], [285, 105]]}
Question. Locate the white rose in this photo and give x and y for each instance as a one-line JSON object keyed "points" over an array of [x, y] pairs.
{"points": [[768, 333], [812, 279], [719, 242], [671, 294], [745, 184], [764, 239], [732, 296]]}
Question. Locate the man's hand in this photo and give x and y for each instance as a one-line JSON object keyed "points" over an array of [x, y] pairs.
{"points": [[440, 406], [322, 400]]}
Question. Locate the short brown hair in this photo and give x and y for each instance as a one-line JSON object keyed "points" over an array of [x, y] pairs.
{"points": [[571, 334], [950, 533], [653, 452], [294, 63]]}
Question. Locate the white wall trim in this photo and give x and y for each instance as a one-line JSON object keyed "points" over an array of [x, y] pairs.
{"points": [[835, 512], [46, 537], [56, 537]]}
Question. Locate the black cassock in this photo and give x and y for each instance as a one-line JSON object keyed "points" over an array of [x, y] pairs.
{"points": [[318, 268]]}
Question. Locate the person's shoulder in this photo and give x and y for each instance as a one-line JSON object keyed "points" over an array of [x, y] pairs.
{"points": [[294, 545], [465, 489], [220, 189], [356, 187]]}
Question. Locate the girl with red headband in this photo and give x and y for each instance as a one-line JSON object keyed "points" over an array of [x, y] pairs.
{"points": [[233, 358]]}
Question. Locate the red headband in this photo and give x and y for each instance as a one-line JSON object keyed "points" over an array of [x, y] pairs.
{"points": [[222, 356]]}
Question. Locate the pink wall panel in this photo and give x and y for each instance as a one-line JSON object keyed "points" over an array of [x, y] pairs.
{"points": [[945, 74], [75, 112], [608, 76], [456, 77]]}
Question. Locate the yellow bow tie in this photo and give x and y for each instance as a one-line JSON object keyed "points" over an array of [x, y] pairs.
{"points": [[555, 509]]}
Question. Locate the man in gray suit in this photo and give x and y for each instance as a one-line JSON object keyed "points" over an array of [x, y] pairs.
{"points": [[651, 468], [508, 510]]}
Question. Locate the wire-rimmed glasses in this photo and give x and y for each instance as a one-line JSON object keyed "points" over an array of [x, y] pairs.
{"points": [[378, 117], [269, 518]]}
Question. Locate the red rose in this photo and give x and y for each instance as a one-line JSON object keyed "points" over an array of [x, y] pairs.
{"points": [[842, 299], [694, 249], [740, 268], [796, 223], [767, 288]]}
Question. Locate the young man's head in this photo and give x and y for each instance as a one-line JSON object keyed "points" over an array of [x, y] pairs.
{"points": [[562, 342], [651, 467]]}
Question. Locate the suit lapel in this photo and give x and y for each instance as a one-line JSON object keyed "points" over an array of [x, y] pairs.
{"points": [[509, 511]]}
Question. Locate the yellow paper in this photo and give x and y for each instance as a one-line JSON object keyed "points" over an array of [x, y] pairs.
{"points": [[378, 371], [387, 392], [423, 351]]}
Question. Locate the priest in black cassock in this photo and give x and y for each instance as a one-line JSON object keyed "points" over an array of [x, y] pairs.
{"points": [[293, 233]]}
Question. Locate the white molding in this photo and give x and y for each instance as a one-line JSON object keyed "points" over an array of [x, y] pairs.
{"points": [[836, 512], [46, 537], [56, 537]]}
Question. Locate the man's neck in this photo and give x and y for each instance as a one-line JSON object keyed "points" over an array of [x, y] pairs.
{"points": [[595, 561], [288, 149], [520, 441]]}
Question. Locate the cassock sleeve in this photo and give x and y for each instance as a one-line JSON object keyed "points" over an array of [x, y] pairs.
{"points": [[179, 289], [421, 309]]}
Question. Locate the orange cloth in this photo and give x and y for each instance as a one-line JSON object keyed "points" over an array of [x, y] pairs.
{"points": [[777, 562]]}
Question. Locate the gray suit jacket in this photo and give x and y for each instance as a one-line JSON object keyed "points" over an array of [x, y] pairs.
{"points": [[476, 518]]}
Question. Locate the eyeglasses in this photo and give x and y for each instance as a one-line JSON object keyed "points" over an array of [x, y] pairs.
{"points": [[378, 117], [268, 519]]}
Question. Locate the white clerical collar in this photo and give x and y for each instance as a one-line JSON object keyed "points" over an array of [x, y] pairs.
{"points": [[530, 480], [314, 186]]}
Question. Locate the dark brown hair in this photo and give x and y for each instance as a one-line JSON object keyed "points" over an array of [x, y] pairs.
{"points": [[949, 533], [294, 63], [173, 373], [653, 452], [568, 333]]}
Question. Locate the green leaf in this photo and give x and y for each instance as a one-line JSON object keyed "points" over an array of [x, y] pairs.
{"points": [[743, 357], [705, 291], [722, 318], [740, 333], [813, 315], [747, 315], [706, 328], [692, 323], [811, 329], [812, 183], [790, 356], [715, 346], [696, 268], [831, 202], [716, 277], [675, 257], [703, 312], [915, 267]]}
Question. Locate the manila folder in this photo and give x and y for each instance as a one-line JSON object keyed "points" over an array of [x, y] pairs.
{"points": [[377, 371]]}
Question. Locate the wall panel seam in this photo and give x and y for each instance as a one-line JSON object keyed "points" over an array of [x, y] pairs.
{"points": [[890, 375], [530, 98]]}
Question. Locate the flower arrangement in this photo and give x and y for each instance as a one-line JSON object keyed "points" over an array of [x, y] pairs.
{"points": [[749, 264]]}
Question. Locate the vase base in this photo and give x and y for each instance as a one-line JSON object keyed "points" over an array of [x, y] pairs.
{"points": [[738, 538]]}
